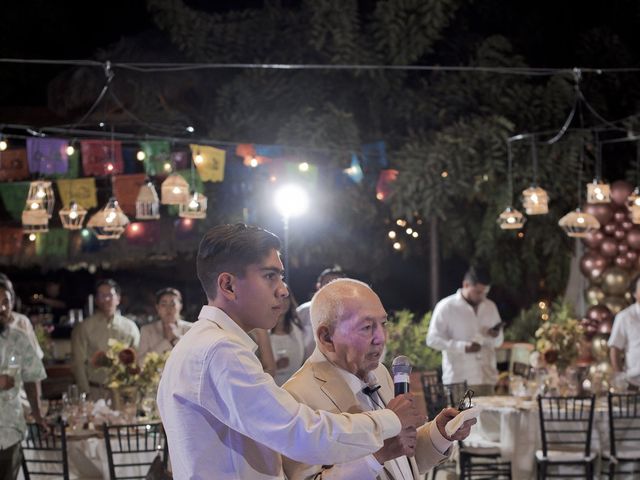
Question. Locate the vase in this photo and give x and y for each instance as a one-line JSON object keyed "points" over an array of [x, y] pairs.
{"points": [[125, 399]]}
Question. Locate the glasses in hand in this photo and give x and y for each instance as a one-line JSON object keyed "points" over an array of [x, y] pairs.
{"points": [[465, 403]]}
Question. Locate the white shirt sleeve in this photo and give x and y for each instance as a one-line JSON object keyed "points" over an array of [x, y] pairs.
{"points": [[237, 391], [437, 336], [618, 337]]}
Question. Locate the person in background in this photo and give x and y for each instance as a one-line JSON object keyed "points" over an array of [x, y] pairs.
{"points": [[326, 276], [19, 321], [287, 342], [264, 351], [162, 335], [625, 340], [20, 367], [93, 334], [344, 374], [52, 300], [467, 328], [224, 417]]}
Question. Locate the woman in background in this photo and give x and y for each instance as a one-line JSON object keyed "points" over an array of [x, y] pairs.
{"points": [[287, 342]]}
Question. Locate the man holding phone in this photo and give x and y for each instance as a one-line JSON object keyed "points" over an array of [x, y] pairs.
{"points": [[467, 328]]}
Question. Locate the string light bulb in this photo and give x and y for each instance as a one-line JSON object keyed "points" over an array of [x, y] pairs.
{"points": [[303, 167], [253, 163], [511, 219], [140, 156], [72, 217], [3, 144], [199, 159], [70, 150]]}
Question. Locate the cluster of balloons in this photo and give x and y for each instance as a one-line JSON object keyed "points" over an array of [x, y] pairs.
{"points": [[610, 262]]}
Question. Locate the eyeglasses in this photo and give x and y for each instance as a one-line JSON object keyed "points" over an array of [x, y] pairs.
{"points": [[465, 403]]}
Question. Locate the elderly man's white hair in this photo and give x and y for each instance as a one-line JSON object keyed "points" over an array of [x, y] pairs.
{"points": [[327, 304]]}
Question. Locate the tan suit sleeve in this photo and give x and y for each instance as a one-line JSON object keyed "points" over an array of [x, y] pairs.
{"points": [[79, 358], [427, 456]]}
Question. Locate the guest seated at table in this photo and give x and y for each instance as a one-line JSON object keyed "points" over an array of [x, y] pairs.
{"points": [[19, 321], [20, 367], [625, 341], [162, 335], [344, 374], [93, 334], [287, 342]]}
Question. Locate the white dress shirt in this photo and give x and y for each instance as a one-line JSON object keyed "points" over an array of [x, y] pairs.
{"points": [[625, 335], [152, 337], [291, 346], [456, 325], [226, 419], [304, 314], [22, 322]]}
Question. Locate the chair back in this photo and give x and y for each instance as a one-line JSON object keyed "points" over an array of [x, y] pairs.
{"points": [[624, 422], [131, 449], [566, 423], [438, 395], [45, 455]]}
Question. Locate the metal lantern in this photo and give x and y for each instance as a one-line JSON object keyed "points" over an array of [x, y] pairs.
{"points": [[72, 217], [147, 203], [35, 221], [579, 223], [535, 201], [195, 207], [41, 196], [110, 222], [633, 204], [174, 190], [598, 192], [511, 219]]}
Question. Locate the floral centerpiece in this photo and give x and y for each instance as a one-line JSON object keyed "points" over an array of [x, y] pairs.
{"points": [[559, 337]]}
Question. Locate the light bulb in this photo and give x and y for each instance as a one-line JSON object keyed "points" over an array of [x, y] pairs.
{"points": [[35, 206], [392, 234], [397, 246], [32, 237], [253, 162], [109, 167], [193, 204], [73, 214], [414, 234], [167, 167], [176, 190], [141, 155], [70, 150], [511, 220], [110, 217], [409, 231], [303, 167], [534, 198], [580, 219], [40, 193], [3, 144], [199, 159]]}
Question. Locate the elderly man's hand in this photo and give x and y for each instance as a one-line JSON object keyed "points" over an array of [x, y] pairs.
{"points": [[404, 407], [6, 382], [445, 416], [402, 444]]}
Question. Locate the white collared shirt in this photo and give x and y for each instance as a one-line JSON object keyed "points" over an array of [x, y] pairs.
{"points": [[454, 326], [152, 337], [226, 419], [625, 335]]}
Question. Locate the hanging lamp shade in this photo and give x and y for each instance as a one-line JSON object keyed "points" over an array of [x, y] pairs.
{"points": [[633, 205], [41, 196], [195, 207], [174, 190], [511, 219], [598, 192], [72, 217], [535, 201], [579, 223], [147, 203], [110, 222], [35, 221]]}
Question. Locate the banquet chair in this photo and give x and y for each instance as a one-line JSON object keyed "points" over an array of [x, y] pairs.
{"points": [[624, 435], [566, 425], [131, 449], [45, 454]]}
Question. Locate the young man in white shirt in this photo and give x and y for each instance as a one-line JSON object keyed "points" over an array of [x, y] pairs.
{"points": [[224, 417], [467, 328], [625, 339]]}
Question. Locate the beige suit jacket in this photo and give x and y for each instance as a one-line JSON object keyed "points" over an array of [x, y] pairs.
{"points": [[319, 385]]}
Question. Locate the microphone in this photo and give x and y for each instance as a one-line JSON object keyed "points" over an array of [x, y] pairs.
{"points": [[401, 368]]}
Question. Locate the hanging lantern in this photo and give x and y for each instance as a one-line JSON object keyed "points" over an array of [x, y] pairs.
{"points": [[147, 203], [41, 196], [196, 207], [633, 205], [110, 222], [174, 190], [579, 223], [598, 192], [35, 221], [72, 217], [511, 219], [535, 201]]}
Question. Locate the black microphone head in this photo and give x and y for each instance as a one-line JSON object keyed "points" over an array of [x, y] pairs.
{"points": [[401, 364]]}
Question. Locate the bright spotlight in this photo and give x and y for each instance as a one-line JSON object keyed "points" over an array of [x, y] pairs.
{"points": [[291, 201]]}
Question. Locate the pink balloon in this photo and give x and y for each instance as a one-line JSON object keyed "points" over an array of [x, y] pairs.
{"points": [[619, 233], [620, 190], [632, 255], [609, 247], [623, 262], [609, 228], [605, 327], [599, 313], [592, 264], [602, 211], [620, 216], [633, 238], [627, 225], [593, 239], [623, 247]]}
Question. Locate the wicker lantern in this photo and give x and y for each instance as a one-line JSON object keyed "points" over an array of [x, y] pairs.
{"points": [[72, 217], [41, 196], [511, 219], [633, 204], [174, 190], [579, 223], [35, 221], [598, 192], [535, 201], [110, 222], [195, 207], [147, 203]]}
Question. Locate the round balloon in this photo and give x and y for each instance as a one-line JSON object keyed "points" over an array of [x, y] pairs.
{"points": [[615, 281], [600, 348], [598, 313], [614, 304], [602, 211], [633, 238], [609, 247], [594, 295], [620, 216], [623, 262], [619, 233], [592, 264], [627, 225], [620, 190], [593, 239], [623, 247], [632, 255], [610, 227], [605, 327]]}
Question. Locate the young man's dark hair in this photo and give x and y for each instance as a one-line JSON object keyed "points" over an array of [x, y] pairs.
{"points": [[476, 275], [110, 283], [231, 248]]}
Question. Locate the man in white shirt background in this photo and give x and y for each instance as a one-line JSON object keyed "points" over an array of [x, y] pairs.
{"points": [[224, 417], [625, 340], [467, 328], [349, 321]]}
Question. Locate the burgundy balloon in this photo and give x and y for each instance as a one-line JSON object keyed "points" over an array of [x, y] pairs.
{"points": [[592, 264], [610, 227], [627, 225], [602, 211], [604, 327], [621, 216], [623, 262], [620, 190], [599, 314], [633, 238], [623, 247], [593, 239], [609, 247], [619, 233], [632, 256]]}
